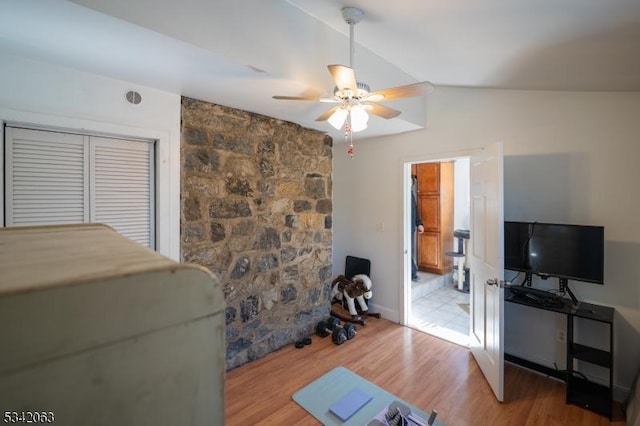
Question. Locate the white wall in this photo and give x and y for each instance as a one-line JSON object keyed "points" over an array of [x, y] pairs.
{"points": [[569, 158], [47, 95]]}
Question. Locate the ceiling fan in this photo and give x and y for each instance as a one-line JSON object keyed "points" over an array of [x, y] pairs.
{"points": [[355, 99]]}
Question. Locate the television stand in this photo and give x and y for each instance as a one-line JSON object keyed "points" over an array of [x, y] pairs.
{"points": [[580, 391], [564, 288]]}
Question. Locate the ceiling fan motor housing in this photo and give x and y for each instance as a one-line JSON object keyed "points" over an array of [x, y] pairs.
{"points": [[363, 90]]}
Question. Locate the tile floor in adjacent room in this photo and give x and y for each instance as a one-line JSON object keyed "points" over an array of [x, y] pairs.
{"points": [[441, 310]]}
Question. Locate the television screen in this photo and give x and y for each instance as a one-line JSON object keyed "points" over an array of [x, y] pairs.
{"points": [[516, 246], [574, 252]]}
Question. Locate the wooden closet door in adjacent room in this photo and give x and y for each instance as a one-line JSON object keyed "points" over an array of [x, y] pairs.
{"points": [[435, 204]]}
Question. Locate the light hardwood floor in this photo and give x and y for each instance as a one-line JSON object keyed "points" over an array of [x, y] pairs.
{"points": [[421, 369]]}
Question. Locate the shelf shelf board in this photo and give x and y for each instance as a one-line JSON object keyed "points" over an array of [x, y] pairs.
{"points": [[594, 312], [592, 396], [590, 355], [547, 371]]}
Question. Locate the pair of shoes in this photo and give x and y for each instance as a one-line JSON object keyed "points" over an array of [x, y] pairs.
{"points": [[302, 343]]}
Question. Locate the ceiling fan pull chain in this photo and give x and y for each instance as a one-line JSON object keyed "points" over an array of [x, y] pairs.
{"points": [[348, 137]]}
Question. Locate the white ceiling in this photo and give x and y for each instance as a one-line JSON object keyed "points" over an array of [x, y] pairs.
{"points": [[241, 52]]}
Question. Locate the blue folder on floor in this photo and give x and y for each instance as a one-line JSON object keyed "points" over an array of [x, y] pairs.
{"points": [[348, 405]]}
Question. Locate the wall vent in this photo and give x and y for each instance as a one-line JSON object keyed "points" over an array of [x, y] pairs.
{"points": [[133, 97]]}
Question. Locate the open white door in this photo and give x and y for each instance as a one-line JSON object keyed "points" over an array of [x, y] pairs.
{"points": [[487, 266]]}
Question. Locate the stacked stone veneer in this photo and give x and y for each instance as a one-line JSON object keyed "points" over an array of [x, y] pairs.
{"points": [[256, 211]]}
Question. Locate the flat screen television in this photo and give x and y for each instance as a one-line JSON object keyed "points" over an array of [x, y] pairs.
{"points": [[573, 252]]}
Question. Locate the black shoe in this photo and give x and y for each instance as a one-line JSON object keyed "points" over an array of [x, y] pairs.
{"points": [[303, 342], [416, 278]]}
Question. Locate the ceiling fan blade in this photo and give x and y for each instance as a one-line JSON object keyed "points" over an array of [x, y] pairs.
{"points": [[298, 98], [344, 77], [328, 113], [381, 110], [307, 98], [410, 90]]}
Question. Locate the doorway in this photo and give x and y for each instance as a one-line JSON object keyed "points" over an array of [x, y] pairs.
{"points": [[438, 298]]}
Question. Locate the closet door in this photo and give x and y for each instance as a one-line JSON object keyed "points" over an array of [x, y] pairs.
{"points": [[121, 187], [54, 178], [47, 178]]}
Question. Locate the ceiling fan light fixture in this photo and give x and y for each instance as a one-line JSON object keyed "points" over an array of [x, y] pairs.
{"points": [[338, 118], [359, 118]]}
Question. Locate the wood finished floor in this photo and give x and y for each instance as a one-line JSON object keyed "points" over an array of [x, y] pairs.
{"points": [[421, 369]]}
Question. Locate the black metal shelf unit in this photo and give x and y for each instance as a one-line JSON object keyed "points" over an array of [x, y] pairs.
{"points": [[580, 390]]}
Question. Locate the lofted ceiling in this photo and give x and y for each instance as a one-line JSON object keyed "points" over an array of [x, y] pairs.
{"points": [[240, 53]]}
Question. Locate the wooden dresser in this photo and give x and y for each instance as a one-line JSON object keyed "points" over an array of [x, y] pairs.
{"points": [[435, 196], [99, 330]]}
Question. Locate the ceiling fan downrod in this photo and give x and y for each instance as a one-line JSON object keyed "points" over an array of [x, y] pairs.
{"points": [[352, 15]]}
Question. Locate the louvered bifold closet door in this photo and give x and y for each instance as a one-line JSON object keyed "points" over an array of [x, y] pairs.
{"points": [[122, 187], [46, 177], [53, 178]]}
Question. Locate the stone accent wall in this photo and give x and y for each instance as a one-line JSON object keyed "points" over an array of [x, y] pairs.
{"points": [[256, 211]]}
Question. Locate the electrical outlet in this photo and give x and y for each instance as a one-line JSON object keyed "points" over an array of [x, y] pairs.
{"points": [[561, 335]]}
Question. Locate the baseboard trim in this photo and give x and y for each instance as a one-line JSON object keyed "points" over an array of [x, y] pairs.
{"points": [[389, 314]]}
